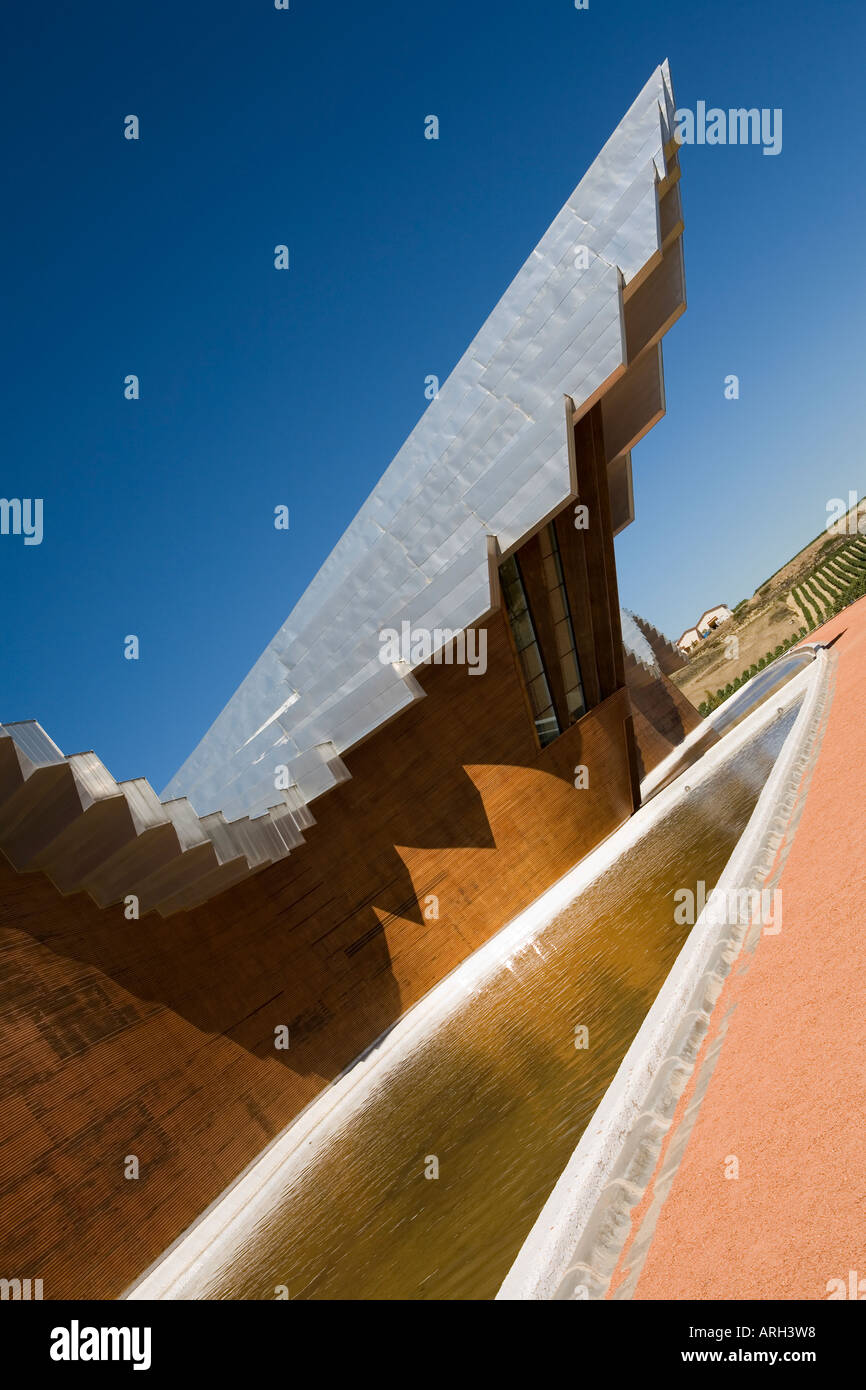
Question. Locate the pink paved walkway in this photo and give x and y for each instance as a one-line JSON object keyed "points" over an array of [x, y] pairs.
{"points": [[788, 1093]]}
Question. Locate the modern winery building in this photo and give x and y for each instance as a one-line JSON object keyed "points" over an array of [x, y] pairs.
{"points": [[362, 815]]}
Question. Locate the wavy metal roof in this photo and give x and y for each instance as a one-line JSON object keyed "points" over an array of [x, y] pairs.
{"points": [[487, 458]]}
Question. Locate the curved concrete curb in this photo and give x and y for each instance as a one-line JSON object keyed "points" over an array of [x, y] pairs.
{"points": [[573, 1248], [718, 721]]}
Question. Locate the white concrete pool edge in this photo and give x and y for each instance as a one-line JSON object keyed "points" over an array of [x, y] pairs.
{"points": [[548, 1251], [720, 715], [208, 1242]]}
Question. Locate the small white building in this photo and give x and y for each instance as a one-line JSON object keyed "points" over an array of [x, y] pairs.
{"points": [[689, 640], [707, 623], [713, 618]]}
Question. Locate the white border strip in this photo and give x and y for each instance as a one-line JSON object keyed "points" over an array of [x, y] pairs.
{"points": [[724, 714], [548, 1249], [184, 1270]]}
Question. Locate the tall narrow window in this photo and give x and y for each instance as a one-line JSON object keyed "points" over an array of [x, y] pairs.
{"points": [[566, 647], [529, 652]]}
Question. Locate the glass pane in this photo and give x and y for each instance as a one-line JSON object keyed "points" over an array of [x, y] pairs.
{"points": [[531, 659], [574, 700], [523, 632], [569, 671], [547, 727], [564, 643], [514, 600], [521, 626], [511, 585], [551, 576], [557, 604], [539, 694], [558, 562]]}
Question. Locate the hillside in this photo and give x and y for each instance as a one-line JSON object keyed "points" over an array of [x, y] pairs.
{"points": [[811, 586]]}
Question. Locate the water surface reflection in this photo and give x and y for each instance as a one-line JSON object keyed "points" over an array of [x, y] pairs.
{"points": [[499, 1094]]}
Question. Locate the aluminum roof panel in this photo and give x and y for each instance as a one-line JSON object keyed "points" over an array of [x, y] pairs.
{"points": [[488, 457]]}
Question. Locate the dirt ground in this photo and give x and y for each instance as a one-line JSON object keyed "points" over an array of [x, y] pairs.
{"points": [[760, 630]]}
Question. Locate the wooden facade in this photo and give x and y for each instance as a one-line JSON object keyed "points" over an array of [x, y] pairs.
{"points": [[155, 1038]]}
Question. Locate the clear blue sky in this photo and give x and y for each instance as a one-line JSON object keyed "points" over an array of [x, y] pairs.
{"points": [[260, 127]]}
